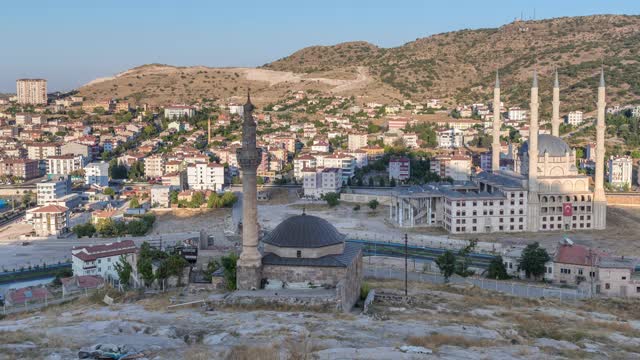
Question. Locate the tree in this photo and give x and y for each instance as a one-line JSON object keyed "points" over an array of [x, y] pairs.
{"points": [[82, 230], [497, 269], [136, 171], [106, 227], [134, 203], [462, 263], [371, 182], [145, 269], [373, 204], [137, 228], [359, 182], [533, 260], [332, 199], [212, 266], [173, 197], [382, 182], [26, 199], [197, 199], [447, 264], [124, 269], [229, 263], [392, 183], [109, 191]]}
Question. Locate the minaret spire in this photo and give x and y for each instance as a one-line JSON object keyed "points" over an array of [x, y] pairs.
{"points": [[495, 145], [555, 117], [533, 202], [599, 198]]}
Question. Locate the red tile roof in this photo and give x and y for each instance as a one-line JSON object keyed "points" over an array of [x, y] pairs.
{"points": [[83, 282], [50, 209], [576, 255], [19, 296], [91, 253]]}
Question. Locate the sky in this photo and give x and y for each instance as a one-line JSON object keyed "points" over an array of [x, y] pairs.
{"points": [[71, 42]]}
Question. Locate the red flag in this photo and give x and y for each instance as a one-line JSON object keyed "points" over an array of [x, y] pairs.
{"points": [[567, 209]]}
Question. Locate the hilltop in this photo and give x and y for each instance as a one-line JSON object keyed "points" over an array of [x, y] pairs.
{"points": [[457, 67]]}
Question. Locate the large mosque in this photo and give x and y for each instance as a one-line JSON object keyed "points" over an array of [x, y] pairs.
{"points": [[545, 192]]}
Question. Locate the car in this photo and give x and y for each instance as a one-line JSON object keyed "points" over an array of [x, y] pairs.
{"points": [[26, 243]]}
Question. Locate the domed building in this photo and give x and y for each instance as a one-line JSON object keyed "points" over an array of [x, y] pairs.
{"points": [[306, 251]]}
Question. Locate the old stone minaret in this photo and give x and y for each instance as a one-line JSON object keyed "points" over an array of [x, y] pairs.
{"points": [[555, 118], [533, 203], [209, 132], [249, 269], [495, 146], [599, 198]]}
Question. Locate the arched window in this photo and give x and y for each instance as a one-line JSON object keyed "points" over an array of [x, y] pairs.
{"points": [[553, 199], [544, 199], [582, 198]]}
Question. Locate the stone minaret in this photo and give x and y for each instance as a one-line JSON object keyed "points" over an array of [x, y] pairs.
{"points": [[209, 132], [555, 119], [599, 198], [495, 146], [533, 203], [249, 270]]}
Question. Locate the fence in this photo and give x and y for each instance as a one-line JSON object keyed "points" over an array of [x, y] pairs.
{"points": [[44, 298], [506, 287]]}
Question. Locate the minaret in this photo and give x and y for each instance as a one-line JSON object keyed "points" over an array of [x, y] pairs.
{"points": [[533, 203], [249, 269], [599, 198], [209, 133], [495, 146], [555, 119]]}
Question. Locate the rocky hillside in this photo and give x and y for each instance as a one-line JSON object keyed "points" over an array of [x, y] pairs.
{"points": [[460, 65], [456, 66]]}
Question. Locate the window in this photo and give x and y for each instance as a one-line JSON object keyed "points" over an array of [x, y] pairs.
{"points": [[299, 253], [579, 271], [607, 286], [624, 278], [638, 289]]}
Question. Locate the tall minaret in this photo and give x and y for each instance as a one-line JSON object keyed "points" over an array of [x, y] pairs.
{"points": [[495, 146], [249, 269], [599, 198], [209, 132], [555, 119], [533, 203]]}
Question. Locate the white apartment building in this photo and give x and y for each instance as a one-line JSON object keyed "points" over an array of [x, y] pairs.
{"points": [[31, 91], [65, 164], [517, 114], [620, 170], [357, 141], [574, 118], [97, 173], [340, 161], [202, 176], [49, 220], [154, 166], [301, 162], [361, 157], [450, 138], [319, 181], [160, 196], [49, 191], [101, 259], [458, 167], [399, 168], [410, 140], [178, 111], [41, 151]]}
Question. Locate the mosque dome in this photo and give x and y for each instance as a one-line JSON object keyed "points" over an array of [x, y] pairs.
{"points": [[552, 145], [304, 231]]}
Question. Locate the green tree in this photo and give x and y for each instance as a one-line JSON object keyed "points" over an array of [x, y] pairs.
{"points": [[447, 264], [373, 204], [382, 182], [371, 182], [229, 264], [134, 203], [392, 183], [109, 191], [332, 199], [117, 171], [145, 269], [533, 260], [106, 227], [137, 228], [359, 182], [136, 172], [497, 269], [463, 260], [197, 199], [82, 230], [212, 266], [173, 197], [124, 269]]}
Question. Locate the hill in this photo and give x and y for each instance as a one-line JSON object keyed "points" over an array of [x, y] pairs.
{"points": [[456, 66]]}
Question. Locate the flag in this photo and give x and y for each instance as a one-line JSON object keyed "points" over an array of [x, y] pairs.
{"points": [[567, 209]]}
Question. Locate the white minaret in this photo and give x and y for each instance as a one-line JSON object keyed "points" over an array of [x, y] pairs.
{"points": [[555, 119], [599, 198], [495, 146], [533, 203]]}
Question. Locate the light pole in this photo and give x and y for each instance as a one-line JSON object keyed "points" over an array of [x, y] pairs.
{"points": [[406, 254]]}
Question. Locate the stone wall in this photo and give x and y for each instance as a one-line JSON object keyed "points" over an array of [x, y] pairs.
{"points": [[623, 199], [349, 290], [365, 198], [320, 276]]}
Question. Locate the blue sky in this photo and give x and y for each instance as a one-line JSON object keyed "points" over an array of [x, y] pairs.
{"points": [[70, 42]]}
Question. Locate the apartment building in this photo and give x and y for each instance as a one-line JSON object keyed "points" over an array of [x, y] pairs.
{"points": [[42, 151], [320, 181], [154, 166], [620, 170], [24, 169], [399, 168], [179, 111], [203, 176], [574, 118], [65, 164], [457, 166], [97, 173], [101, 259], [31, 91], [49, 220], [357, 141]]}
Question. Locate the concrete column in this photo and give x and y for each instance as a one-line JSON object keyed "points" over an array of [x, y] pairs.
{"points": [[495, 145]]}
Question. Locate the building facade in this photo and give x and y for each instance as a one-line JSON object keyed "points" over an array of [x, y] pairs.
{"points": [[203, 176], [31, 91]]}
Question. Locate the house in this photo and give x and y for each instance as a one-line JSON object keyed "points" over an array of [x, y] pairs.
{"points": [[49, 220], [101, 259], [574, 264], [79, 284], [27, 295], [617, 276]]}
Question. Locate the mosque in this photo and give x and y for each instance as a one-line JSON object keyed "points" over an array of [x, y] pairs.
{"points": [[545, 192]]}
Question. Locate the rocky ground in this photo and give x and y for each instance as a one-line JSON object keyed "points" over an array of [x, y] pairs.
{"points": [[439, 322]]}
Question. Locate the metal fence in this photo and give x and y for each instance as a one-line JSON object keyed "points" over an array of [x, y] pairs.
{"points": [[56, 298], [513, 288]]}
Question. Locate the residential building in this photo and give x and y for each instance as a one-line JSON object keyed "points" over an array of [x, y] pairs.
{"points": [[24, 169], [161, 196], [320, 181], [302, 162], [574, 118], [620, 171], [97, 173], [574, 264], [341, 161], [177, 180], [202, 176], [41, 151], [617, 276], [457, 166], [399, 168], [65, 164], [101, 259], [49, 191], [31, 91], [357, 141], [517, 114], [410, 140], [179, 111], [320, 146], [75, 148], [450, 138], [154, 166], [49, 220]]}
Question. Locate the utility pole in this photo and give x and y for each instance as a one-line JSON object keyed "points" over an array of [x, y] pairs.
{"points": [[406, 255]]}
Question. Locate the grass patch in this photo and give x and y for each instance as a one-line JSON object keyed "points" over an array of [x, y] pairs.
{"points": [[436, 340]]}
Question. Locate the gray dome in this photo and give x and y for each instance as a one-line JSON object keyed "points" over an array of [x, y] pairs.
{"points": [[304, 231], [552, 145]]}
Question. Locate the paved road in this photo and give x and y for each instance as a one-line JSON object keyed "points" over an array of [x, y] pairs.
{"points": [[507, 287]]}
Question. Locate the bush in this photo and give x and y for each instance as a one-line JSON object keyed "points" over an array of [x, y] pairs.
{"points": [[364, 290], [356, 208], [373, 204], [332, 199]]}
